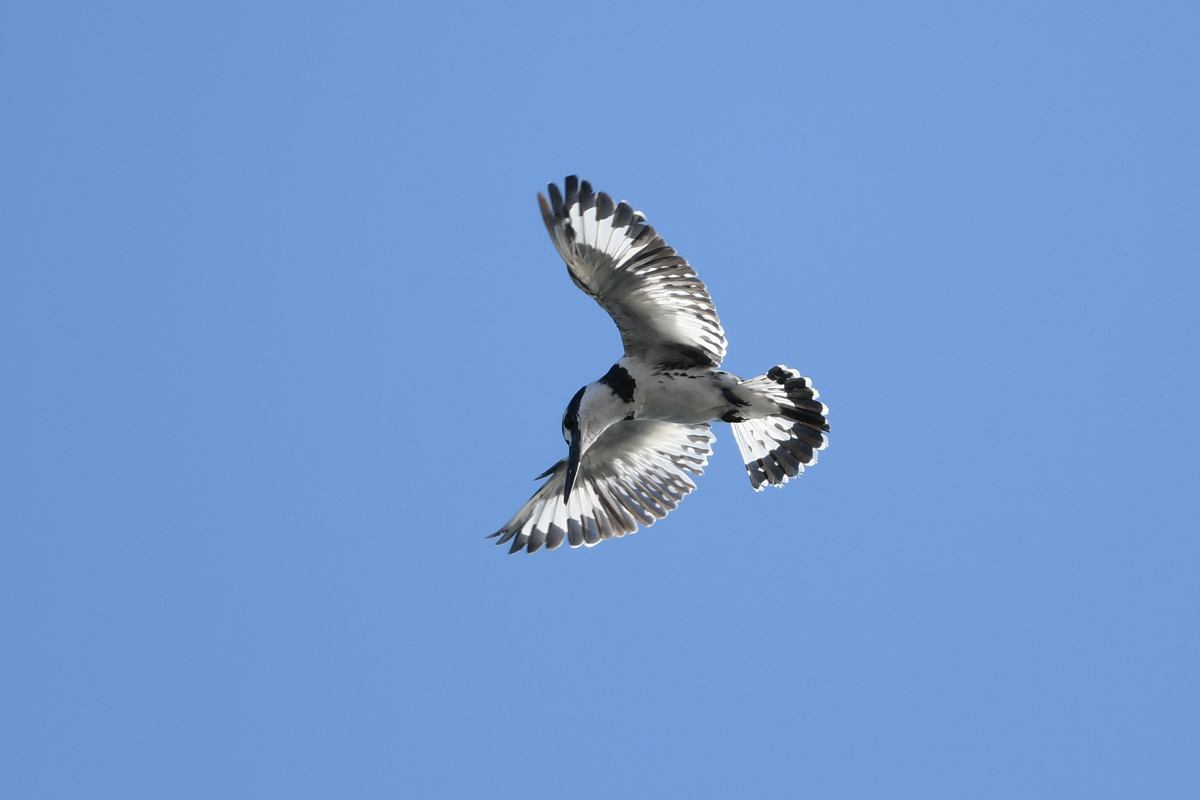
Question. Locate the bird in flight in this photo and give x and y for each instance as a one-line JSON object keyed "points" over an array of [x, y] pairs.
{"points": [[636, 436]]}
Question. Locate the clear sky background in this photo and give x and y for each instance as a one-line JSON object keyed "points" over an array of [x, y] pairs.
{"points": [[282, 338]]}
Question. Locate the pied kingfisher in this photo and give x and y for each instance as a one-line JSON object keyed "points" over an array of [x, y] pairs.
{"points": [[634, 435]]}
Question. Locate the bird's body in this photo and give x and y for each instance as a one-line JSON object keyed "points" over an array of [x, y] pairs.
{"points": [[634, 435], [690, 395], [696, 394]]}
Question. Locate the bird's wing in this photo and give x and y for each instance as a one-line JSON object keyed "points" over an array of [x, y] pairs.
{"points": [[662, 309], [636, 472]]}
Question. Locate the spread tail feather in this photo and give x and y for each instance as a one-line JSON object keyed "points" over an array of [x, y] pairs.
{"points": [[779, 446]]}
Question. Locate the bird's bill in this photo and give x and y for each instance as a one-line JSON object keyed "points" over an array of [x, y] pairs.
{"points": [[572, 466]]}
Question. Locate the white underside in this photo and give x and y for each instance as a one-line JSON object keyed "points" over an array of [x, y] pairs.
{"points": [[690, 395]]}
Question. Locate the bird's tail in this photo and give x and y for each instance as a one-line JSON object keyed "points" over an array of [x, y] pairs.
{"points": [[781, 445]]}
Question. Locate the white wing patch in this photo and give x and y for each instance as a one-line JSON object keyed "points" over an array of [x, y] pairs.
{"points": [[663, 310], [635, 473]]}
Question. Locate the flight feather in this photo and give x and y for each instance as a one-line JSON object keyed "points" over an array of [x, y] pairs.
{"points": [[661, 307]]}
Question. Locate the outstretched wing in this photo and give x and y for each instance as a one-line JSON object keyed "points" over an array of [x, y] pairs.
{"points": [[636, 472], [662, 309]]}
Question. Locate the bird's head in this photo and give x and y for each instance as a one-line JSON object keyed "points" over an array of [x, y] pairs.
{"points": [[591, 411]]}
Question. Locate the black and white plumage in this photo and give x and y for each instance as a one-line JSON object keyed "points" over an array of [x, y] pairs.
{"points": [[660, 306], [635, 473], [637, 436]]}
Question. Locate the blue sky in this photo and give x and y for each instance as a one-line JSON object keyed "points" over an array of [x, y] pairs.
{"points": [[284, 339]]}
